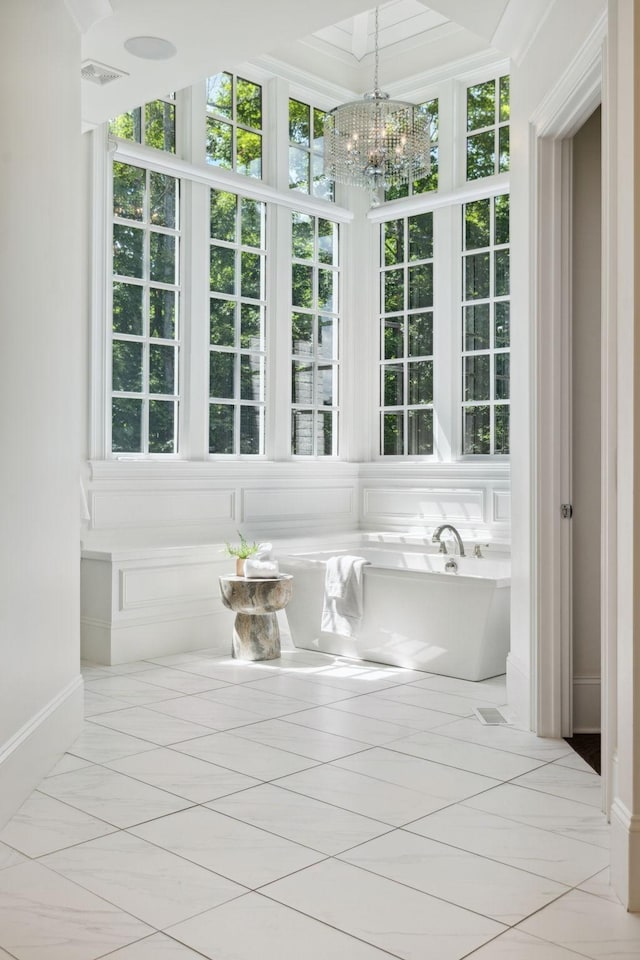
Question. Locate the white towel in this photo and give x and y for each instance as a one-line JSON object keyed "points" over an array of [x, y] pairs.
{"points": [[343, 595], [260, 569]]}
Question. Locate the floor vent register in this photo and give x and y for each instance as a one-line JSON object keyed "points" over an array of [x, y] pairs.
{"points": [[491, 716]]}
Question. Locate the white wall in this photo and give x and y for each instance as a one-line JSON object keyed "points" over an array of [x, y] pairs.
{"points": [[586, 453], [40, 690], [622, 435]]}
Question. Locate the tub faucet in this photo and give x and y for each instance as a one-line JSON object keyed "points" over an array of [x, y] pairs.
{"points": [[437, 533]]}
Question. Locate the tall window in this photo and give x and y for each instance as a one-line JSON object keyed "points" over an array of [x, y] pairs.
{"points": [[485, 325], [306, 150], [430, 182], [406, 362], [153, 125], [442, 387], [234, 124], [237, 325], [488, 128], [315, 334], [145, 338]]}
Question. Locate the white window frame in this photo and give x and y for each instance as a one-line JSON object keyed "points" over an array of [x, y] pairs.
{"points": [[235, 124], [405, 408], [359, 335], [492, 351], [496, 126], [173, 101], [314, 360], [236, 350], [195, 179], [446, 203], [312, 152]]}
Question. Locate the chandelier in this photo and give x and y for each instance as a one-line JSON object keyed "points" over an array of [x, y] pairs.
{"points": [[376, 142]]}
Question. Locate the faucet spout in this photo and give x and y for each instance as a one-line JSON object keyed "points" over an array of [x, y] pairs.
{"points": [[437, 533]]}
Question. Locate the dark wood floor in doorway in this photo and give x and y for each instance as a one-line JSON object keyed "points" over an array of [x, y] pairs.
{"points": [[588, 746]]}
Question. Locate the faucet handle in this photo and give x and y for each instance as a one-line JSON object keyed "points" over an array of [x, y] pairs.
{"points": [[443, 547], [477, 551]]}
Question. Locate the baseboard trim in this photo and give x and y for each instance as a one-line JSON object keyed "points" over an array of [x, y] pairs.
{"points": [[124, 642], [29, 755], [519, 691], [625, 855], [586, 704]]}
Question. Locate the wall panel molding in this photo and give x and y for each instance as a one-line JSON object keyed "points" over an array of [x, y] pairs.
{"points": [[154, 547], [301, 502], [501, 504], [473, 496], [425, 503], [165, 508], [143, 586]]}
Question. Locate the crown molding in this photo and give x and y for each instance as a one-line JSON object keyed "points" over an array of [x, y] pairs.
{"points": [[519, 26], [87, 12], [312, 85], [329, 94], [388, 53], [578, 92]]}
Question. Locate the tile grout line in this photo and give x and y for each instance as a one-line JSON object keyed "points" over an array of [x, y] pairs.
{"points": [[364, 748]]}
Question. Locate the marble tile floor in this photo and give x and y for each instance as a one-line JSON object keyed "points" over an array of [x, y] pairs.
{"points": [[302, 808]]}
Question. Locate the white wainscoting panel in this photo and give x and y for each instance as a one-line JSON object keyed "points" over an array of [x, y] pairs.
{"points": [[310, 501], [153, 546], [502, 506], [148, 507], [472, 496], [143, 501], [184, 583], [422, 504], [113, 643], [151, 601]]}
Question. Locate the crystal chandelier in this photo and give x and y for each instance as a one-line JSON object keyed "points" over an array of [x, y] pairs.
{"points": [[376, 142]]}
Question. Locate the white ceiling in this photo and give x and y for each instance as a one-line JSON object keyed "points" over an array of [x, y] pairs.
{"points": [[399, 20], [332, 39]]}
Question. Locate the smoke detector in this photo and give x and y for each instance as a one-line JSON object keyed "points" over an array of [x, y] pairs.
{"points": [[100, 73]]}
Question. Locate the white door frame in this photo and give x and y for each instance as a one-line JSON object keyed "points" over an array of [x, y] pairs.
{"points": [[559, 117]]}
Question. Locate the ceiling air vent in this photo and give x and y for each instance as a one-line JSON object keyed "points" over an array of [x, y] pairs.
{"points": [[100, 73]]}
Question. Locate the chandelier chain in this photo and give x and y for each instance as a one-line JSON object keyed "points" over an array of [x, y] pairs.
{"points": [[376, 69], [377, 142]]}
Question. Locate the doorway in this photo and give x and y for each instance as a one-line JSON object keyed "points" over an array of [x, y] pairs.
{"points": [[555, 136], [584, 447]]}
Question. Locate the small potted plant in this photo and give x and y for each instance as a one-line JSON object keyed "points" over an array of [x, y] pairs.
{"points": [[241, 551]]}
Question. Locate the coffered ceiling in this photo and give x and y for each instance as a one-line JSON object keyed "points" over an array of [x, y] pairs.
{"points": [[331, 40]]}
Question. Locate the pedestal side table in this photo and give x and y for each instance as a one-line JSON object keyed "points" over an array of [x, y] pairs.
{"points": [[256, 635]]}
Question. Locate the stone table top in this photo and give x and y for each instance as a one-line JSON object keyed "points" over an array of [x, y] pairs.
{"points": [[256, 595]]}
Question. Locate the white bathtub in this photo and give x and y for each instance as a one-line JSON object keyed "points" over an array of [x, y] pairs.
{"points": [[415, 614]]}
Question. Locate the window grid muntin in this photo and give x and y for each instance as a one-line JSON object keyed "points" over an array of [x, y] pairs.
{"points": [[145, 397], [318, 413], [499, 128], [498, 407], [235, 125], [320, 186], [138, 116], [406, 411], [237, 407]]}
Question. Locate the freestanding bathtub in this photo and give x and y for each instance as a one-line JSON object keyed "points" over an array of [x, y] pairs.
{"points": [[416, 614]]}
